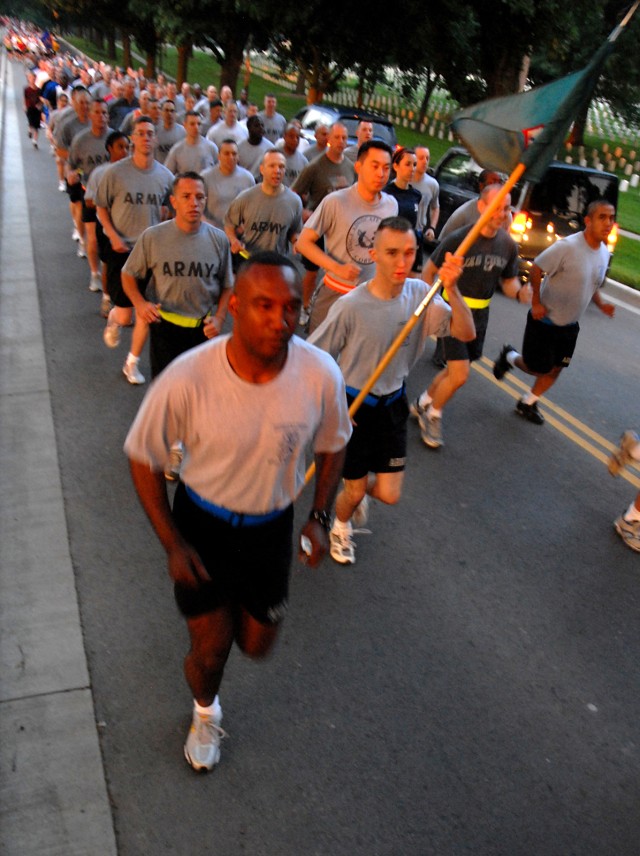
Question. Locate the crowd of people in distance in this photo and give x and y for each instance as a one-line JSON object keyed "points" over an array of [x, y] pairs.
{"points": [[191, 205]]}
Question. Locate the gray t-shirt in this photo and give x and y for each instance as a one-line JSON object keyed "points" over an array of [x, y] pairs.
{"points": [[465, 215], [222, 190], [231, 458], [351, 152], [268, 222], [360, 328], [184, 157], [250, 156], [67, 128], [273, 126], [134, 197], [221, 132], [486, 262], [189, 270], [166, 139], [88, 151], [573, 273], [294, 164], [429, 190], [321, 177], [348, 224]]}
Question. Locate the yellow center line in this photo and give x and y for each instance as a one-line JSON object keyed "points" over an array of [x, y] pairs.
{"points": [[514, 386]]}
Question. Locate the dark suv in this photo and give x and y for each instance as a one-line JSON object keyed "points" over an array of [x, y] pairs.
{"points": [[543, 212], [327, 114]]}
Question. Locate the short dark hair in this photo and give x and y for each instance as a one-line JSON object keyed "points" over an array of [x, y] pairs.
{"points": [[400, 153], [192, 113], [141, 120], [113, 138], [596, 203], [188, 175], [269, 258], [396, 224], [374, 144]]}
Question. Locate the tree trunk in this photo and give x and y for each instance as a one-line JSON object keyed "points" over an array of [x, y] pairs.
{"points": [[300, 83], [429, 86], [183, 63], [111, 44], [126, 50], [150, 65], [230, 68]]}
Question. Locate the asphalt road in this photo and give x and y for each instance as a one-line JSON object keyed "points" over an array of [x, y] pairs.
{"points": [[469, 686]]}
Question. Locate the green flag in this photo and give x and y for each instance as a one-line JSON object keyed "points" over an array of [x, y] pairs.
{"points": [[530, 127]]}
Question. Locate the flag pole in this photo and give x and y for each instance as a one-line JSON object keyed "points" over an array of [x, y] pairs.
{"points": [[467, 241]]}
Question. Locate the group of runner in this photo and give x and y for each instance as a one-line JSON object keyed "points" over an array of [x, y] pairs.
{"points": [[165, 247]]}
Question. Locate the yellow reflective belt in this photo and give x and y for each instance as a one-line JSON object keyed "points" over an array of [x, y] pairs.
{"points": [[472, 302], [179, 320]]}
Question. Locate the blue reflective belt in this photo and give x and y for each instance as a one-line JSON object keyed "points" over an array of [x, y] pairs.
{"points": [[234, 518], [374, 400]]}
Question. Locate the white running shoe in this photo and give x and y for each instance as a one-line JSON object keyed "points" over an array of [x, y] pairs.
{"points": [[431, 430], [361, 513], [105, 306], [111, 335], [202, 746], [81, 252], [132, 373], [75, 235], [62, 186], [95, 283], [341, 547]]}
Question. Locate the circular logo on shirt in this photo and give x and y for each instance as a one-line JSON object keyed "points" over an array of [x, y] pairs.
{"points": [[360, 238]]}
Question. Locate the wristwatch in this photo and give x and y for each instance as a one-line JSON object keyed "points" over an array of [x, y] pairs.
{"points": [[321, 517]]}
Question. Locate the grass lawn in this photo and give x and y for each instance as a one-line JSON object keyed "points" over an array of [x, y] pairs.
{"points": [[625, 266], [629, 210]]}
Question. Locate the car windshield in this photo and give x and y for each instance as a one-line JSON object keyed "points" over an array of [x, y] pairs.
{"points": [[380, 131], [567, 193]]}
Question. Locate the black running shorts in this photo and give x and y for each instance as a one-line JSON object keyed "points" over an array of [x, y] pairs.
{"points": [[547, 346], [248, 565], [454, 349], [379, 440]]}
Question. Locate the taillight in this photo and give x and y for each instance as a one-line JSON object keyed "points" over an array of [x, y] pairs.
{"points": [[612, 240], [520, 225]]}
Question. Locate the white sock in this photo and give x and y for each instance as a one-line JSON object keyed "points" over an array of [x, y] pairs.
{"points": [[424, 400], [632, 513], [434, 413], [209, 710], [341, 527], [511, 357], [529, 398], [132, 359]]}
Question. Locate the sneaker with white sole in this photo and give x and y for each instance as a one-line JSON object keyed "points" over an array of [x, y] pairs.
{"points": [[95, 283], [629, 531], [172, 470], [623, 456], [530, 412], [341, 547], [132, 373], [202, 746], [361, 513], [502, 364], [416, 409], [111, 335], [81, 252], [105, 306], [62, 186], [431, 430], [75, 235]]}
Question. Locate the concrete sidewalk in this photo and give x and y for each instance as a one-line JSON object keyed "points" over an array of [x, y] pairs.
{"points": [[53, 795]]}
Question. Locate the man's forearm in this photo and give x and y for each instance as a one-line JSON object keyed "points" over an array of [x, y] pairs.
{"points": [[328, 473], [152, 493]]}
